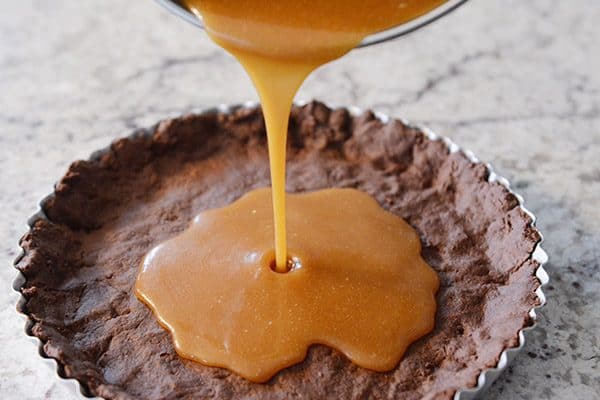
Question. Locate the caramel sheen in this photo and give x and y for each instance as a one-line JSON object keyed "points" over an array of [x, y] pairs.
{"points": [[358, 284]]}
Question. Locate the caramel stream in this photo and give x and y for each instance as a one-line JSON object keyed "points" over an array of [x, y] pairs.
{"points": [[359, 283], [280, 43]]}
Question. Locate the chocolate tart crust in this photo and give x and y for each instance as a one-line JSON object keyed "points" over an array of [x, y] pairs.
{"points": [[82, 254]]}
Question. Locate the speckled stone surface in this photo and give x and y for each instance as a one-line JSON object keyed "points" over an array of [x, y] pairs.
{"points": [[515, 81]]}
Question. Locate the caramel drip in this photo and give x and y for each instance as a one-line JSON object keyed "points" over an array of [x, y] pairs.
{"points": [[357, 284], [280, 43]]}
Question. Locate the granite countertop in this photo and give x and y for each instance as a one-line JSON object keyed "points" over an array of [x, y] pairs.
{"points": [[517, 82]]}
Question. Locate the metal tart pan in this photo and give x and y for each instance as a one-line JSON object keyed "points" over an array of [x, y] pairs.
{"points": [[485, 378]]}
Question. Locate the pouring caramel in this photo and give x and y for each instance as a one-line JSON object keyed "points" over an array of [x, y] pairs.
{"points": [[234, 290], [280, 43]]}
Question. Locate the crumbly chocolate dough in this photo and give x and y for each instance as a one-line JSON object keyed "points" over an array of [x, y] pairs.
{"points": [[81, 260]]}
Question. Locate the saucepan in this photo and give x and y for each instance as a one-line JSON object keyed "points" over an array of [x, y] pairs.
{"points": [[444, 9]]}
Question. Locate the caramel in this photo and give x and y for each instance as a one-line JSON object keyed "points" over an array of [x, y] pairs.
{"points": [[240, 289], [280, 43], [357, 284]]}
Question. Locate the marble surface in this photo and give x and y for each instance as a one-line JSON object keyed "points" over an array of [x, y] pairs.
{"points": [[517, 82]]}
